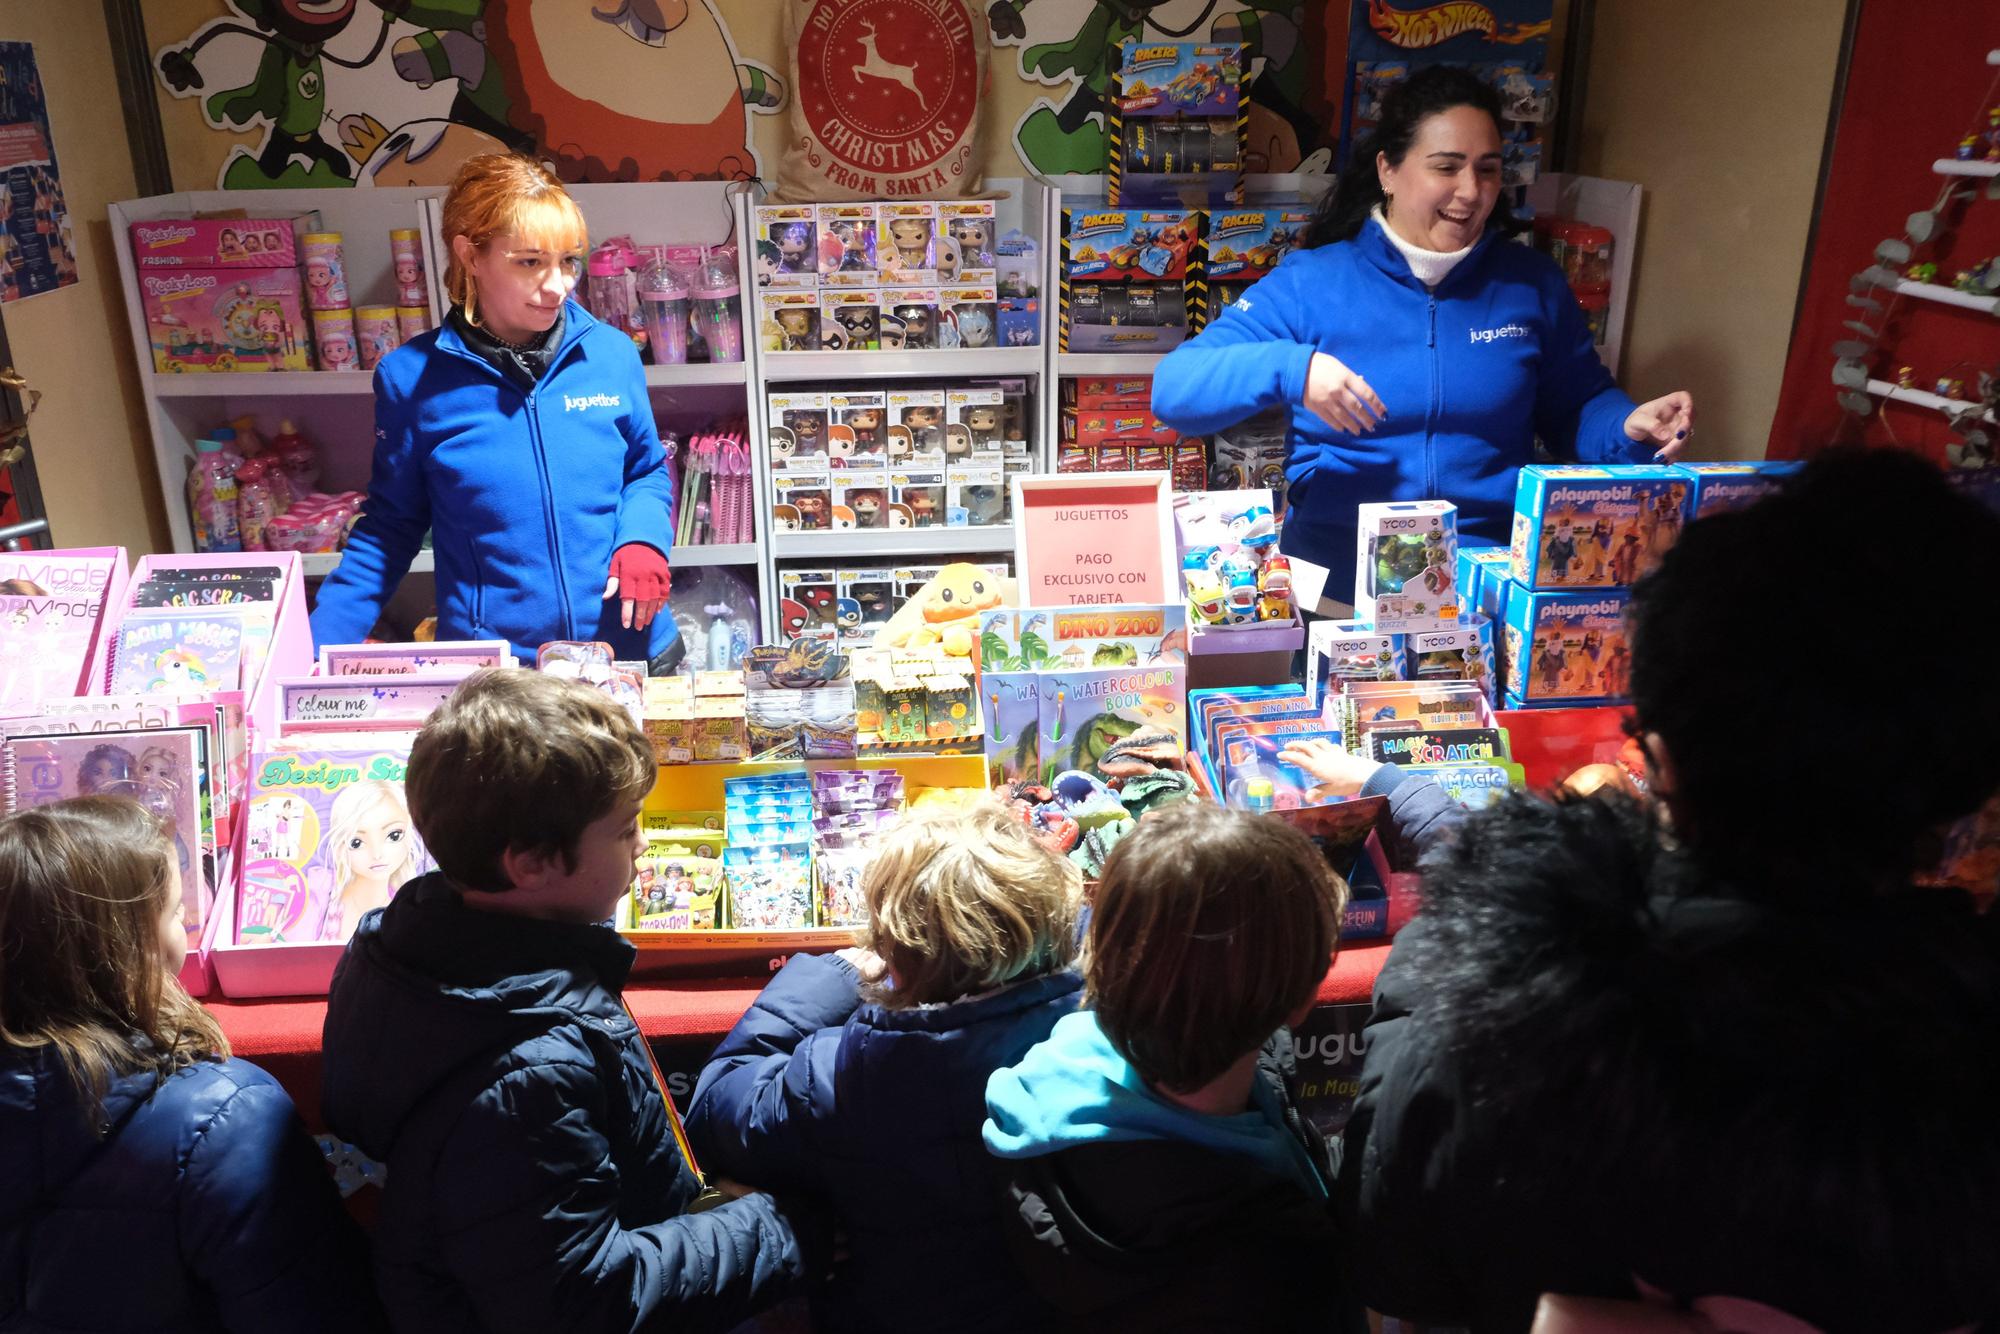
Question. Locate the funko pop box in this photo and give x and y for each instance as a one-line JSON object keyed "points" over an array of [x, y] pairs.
{"points": [[1406, 577], [1595, 525], [1566, 647]]}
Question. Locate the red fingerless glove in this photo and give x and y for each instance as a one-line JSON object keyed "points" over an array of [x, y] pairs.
{"points": [[641, 572]]}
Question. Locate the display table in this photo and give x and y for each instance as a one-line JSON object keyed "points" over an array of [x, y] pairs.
{"points": [[682, 1020]]}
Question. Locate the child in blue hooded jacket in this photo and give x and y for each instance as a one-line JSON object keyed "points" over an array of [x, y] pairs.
{"points": [[520, 434], [872, 1098], [1417, 352], [1159, 1176]]}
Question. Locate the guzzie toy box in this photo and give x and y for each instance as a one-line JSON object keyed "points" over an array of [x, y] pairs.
{"points": [[1406, 577], [1566, 647], [1595, 525]]}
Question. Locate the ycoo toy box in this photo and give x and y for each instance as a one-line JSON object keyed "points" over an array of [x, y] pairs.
{"points": [[1407, 576], [1595, 525], [1465, 653]]}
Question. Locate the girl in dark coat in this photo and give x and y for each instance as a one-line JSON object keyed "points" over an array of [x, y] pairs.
{"points": [[147, 1181]]}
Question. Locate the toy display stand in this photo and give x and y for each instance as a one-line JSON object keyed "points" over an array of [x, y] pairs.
{"points": [[740, 953], [1253, 655], [1551, 744], [108, 611]]}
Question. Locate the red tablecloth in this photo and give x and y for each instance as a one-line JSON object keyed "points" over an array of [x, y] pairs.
{"points": [[682, 1020]]}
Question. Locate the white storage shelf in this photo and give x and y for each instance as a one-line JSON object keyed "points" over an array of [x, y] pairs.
{"points": [[1923, 398], [1949, 296], [262, 384], [1108, 363], [981, 361], [892, 542]]}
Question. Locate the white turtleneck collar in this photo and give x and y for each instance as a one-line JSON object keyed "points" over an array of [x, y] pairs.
{"points": [[1430, 266]]}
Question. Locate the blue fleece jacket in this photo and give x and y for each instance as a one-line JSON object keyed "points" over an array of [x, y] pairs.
{"points": [[1470, 374], [526, 495], [1076, 1089]]}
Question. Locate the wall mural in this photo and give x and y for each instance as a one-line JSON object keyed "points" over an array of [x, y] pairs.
{"points": [[397, 92]]}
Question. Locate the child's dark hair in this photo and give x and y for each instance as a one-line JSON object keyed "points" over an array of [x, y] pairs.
{"points": [[1802, 757], [1433, 89], [1210, 928], [518, 760]]}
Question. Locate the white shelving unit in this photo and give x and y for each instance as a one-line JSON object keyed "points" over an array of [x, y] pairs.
{"points": [[319, 564], [1108, 363], [1948, 296], [1923, 398], [853, 543], [967, 363], [264, 384], [1951, 166]]}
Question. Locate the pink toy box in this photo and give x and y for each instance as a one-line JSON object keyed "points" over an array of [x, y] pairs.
{"points": [[220, 243], [226, 319]]}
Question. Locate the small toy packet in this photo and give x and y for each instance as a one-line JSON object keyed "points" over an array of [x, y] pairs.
{"points": [[1476, 785], [1176, 121], [1129, 244], [677, 886]]}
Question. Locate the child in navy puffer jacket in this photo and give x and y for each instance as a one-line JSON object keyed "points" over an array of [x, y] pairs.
{"points": [[872, 1098], [147, 1181]]}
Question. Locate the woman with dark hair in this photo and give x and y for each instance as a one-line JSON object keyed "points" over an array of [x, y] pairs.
{"points": [[1418, 352]]}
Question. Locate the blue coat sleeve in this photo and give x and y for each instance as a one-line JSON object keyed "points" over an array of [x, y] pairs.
{"points": [[770, 1085], [1421, 814], [392, 526], [1255, 357], [646, 505], [262, 1226], [1580, 411], [528, 1204]]}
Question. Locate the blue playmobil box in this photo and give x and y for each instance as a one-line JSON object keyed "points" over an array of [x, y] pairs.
{"points": [[1461, 654], [1595, 525], [1480, 572], [1180, 79], [1719, 487], [1566, 648]]}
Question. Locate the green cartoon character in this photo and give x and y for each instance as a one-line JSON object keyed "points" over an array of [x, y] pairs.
{"points": [[289, 90]]}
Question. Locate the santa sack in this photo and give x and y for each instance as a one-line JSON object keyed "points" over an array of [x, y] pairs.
{"points": [[885, 100]]}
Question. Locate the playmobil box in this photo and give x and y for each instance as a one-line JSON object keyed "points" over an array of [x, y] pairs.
{"points": [[1595, 525], [1566, 647], [1341, 651], [206, 319], [1476, 567], [1129, 244], [1407, 576], [1464, 653], [221, 243], [1731, 486]]}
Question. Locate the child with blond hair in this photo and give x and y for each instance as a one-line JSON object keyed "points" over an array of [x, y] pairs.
{"points": [[859, 1078]]}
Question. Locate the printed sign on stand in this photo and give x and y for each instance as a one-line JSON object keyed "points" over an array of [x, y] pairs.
{"points": [[1090, 539]]}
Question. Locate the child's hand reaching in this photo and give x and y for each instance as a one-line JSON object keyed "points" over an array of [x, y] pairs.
{"points": [[866, 962], [1339, 773]]}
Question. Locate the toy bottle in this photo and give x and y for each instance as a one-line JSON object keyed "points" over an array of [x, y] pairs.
{"points": [[663, 306], [718, 306], [255, 504], [1258, 796], [296, 457], [609, 293], [212, 498], [245, 442]]}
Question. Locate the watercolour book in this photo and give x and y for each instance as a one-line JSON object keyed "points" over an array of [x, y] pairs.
{"points": [[328, 837], [165, 769], [176, 649]]}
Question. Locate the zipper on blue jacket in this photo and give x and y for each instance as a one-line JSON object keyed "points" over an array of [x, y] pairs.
{"points": [[551, 527], [1431, 412]]}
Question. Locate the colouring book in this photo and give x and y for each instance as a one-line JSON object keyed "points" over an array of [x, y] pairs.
{"points": [[328, 837], [170, 649], [164, 769]]}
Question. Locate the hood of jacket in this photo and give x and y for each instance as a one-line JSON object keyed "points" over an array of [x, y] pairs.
{"points": [[1075, 1089], [430, 988], [49, 1133]]}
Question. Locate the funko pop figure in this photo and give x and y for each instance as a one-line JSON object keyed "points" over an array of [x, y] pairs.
{"points": [[866, 424], [926, 427], [814, 512], [912, 240], [974, 325], [948, 259], [923, 503], [889, 334], [975, 241], [983, 423], [858, 323], [795, 248], [806, 427], [798, 329], [919, 330], [867, 508]]}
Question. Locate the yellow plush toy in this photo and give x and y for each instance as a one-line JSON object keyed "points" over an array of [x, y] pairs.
{"points": [[945, 612]]}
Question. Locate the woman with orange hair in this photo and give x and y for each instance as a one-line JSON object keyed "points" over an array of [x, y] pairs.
{"points": [[521, 436]]}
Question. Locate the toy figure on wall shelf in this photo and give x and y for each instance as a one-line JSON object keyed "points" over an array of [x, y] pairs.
{"points": [[1906, 377], [1950, 388], [1922, 273]]}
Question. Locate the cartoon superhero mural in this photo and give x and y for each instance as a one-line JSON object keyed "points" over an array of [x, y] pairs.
{"points": [[625, 90], [1059, 52]]}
